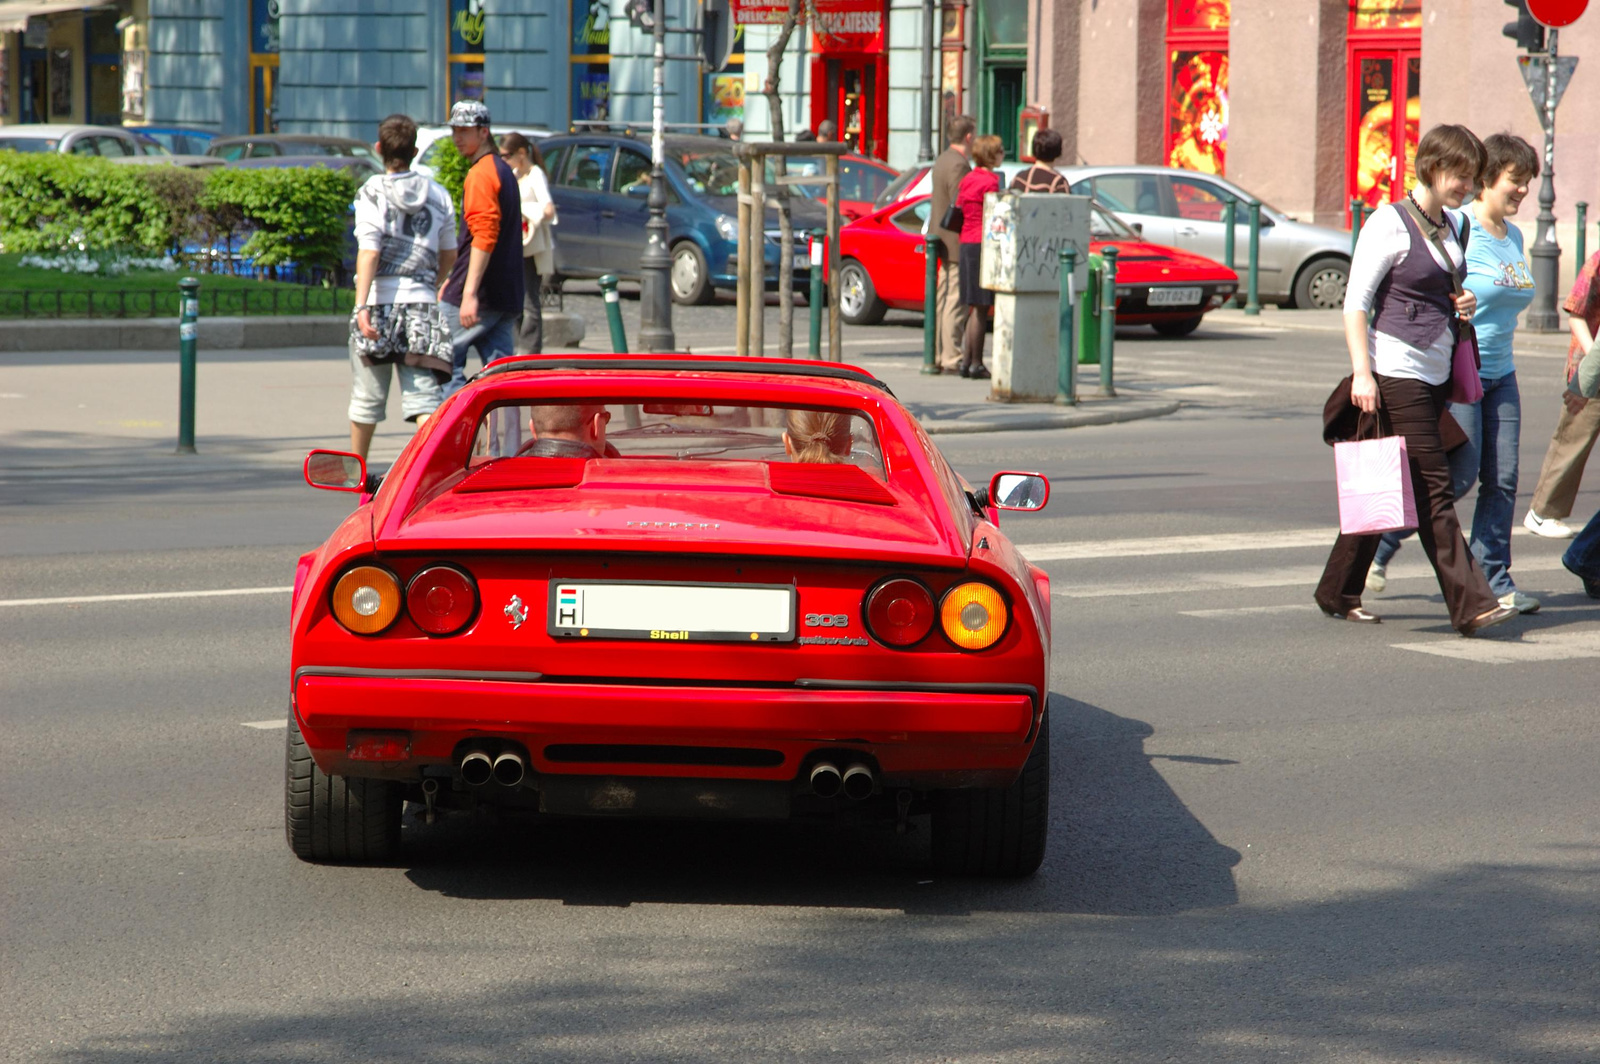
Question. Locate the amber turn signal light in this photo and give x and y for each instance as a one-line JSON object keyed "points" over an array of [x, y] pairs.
{"points": [[366, 599], [973, 616]]}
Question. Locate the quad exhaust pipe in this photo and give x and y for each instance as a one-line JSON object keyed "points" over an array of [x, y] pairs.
{"points": [[478, 767], [855, 782]]}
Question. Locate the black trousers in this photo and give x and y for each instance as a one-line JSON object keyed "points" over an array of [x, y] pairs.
{"points": [[530, 327], [1413, 409]]}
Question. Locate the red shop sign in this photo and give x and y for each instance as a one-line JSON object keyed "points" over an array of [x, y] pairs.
{"points": [[761, 12], [1557, 13], [849, 26]]}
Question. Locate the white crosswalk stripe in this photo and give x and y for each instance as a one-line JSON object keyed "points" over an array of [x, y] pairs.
{"points": [[1519, 650]]}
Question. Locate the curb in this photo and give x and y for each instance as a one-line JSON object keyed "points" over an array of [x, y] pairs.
{"points": [[1064, 420]]}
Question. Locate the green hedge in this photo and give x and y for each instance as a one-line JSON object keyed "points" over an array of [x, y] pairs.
{"points": [[51, 202]]}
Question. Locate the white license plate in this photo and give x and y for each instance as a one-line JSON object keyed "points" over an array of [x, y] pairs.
{"points": [[1173, 297], [802, 260], [743, 613]]}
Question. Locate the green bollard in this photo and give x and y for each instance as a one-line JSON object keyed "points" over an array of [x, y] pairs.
{"points": [[1066, 355], [1108, 321], [1089, 313], [188, 330], [817, 298], [608, 288], [931, 246], [1355, 224], [1230, 215], [1252, 304], [1583, 237]]}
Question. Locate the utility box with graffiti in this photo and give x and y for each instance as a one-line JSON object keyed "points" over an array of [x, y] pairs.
{"points": [[1024, 234]]}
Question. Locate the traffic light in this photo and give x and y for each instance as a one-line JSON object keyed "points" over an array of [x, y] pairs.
{"points": [[1526, 30]]}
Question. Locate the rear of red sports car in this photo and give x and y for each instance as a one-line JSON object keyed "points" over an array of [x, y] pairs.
{"points": [[723, 594]]}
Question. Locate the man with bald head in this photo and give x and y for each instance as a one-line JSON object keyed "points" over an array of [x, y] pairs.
{"points": [[570, 430]]}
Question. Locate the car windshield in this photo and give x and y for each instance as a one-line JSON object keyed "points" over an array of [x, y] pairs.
{"points": [[28, 144], [900, 186], [711, 173], [1103, 225], [678, 429]]}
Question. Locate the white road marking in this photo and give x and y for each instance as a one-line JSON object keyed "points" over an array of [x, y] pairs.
{"points": [[1215, 543], [266, 725], [1241, 611], [1531, 647], [1300, 576], [73, 600]]}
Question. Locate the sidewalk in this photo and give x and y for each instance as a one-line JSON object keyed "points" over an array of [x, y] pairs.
{"points": [[94, 414]]}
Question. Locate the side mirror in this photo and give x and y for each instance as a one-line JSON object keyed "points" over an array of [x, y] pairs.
{"points": [[640, 191], [1138, 227], [336, 471], [1019, 491]]}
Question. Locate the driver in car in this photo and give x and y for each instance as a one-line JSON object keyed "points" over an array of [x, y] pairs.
{"points": [[569, 431]]}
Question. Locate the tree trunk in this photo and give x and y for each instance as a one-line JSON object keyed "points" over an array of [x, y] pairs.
{"points": [[780, 169]]}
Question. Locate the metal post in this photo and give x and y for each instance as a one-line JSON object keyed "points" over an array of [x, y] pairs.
{"points": [[1108, 320], [1252, 304], [835, 323], [758, 255], [1543, 315], [1066, 335], [816, 293], [931, 246], [1230, 218], [619, 338], [930, 11], [1356, 216], [741, 327], [655, 266], [1583, 237], [188, 330]]}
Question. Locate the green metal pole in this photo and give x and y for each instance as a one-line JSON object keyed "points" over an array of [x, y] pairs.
{"points": [[1066, 335], [817, 298], [1230, 212], [188, 330], [608, 288], [1108, 320], [931, 246], [1583, 237], [1252, 304], [1355, 224]]}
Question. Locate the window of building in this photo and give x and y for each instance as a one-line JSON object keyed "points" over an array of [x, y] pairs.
{"points": [[1197, 84], [590, 61], [1003, 68], [465, 49], [1384, 72], [264, 47], [1386, 15], [105, 68]]}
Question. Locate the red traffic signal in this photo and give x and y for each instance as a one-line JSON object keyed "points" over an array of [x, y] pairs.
{"points": [[1557, 13]]}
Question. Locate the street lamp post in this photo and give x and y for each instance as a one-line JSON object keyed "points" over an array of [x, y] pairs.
{"points": [[655, 267], [1546, 253]]}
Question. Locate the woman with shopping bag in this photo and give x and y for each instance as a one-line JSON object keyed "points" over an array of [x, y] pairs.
{"points": [[1404, 311]]}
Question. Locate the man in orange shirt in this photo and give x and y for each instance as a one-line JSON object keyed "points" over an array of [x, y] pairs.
{"points": [[483, 295]]}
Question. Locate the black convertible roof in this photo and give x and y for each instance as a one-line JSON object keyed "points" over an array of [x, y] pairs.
{"points": [[686, 363]]}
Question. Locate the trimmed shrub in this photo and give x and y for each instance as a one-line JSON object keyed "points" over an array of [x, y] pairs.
{"points": [[300, 214], [51, 202], [178, 189]]}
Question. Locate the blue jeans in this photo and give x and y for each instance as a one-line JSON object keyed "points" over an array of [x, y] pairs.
{"points": [[493, 336], [1489, 457], [1583, 555]]}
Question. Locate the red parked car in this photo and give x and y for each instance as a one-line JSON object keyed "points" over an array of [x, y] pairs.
{"points": [[881, 266], [672, 586]]}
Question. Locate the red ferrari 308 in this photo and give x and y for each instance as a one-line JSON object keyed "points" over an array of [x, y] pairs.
{"points": [[672, 586], [881, 267]]}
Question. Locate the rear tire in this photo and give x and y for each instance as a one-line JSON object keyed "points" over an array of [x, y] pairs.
{"points": [[336, 818], [1180, 327], [858, 300], [996, 831], [1321, 284]]}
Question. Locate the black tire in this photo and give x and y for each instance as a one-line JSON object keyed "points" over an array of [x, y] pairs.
{"points": [[691, 278], [858, 300], [996, 831], [1180, 327], [334, 818], [1321, 283]]}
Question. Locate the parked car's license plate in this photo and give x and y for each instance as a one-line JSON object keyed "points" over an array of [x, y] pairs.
{"points": [[802, 260], [1173, 297], [672, 612]]}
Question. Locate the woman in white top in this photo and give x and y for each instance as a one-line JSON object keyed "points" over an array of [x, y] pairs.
{"points": [[1402, 319], [538, 243]]}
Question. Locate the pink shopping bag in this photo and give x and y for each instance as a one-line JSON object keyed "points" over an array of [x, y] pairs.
{"points": [[1374, 486]]}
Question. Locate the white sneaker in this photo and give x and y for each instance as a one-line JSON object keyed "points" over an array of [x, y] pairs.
{"points": [[1548, 527], [1520, 601], [1377, 578]]}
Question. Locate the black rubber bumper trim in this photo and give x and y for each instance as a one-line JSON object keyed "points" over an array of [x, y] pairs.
{"points": [[347, 672]]}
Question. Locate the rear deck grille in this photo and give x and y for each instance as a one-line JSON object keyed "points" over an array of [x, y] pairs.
{"points": [[623, 753]]}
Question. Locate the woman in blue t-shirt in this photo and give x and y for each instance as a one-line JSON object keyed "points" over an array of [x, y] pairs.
{"points": [[1497, 273]]}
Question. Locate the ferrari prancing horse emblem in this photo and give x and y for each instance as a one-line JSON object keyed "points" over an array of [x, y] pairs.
{"points": [[516, 611]]}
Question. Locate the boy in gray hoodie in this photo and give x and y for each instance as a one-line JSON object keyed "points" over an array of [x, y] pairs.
{"points": [[405, 235]]}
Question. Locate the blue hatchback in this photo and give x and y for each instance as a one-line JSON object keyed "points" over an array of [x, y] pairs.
{"points": [[601, 181]]}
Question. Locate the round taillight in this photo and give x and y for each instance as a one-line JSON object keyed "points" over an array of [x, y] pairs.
{"points": [[366, 599], [441, 599], [899, 612], [973, 616]]}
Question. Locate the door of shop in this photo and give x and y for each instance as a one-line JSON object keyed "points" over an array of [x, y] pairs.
{"points": [[1385, 115], [1004, 100], [854, 99]]}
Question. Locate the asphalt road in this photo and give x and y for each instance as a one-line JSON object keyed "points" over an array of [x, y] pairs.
{"points": [[1274, 836]]}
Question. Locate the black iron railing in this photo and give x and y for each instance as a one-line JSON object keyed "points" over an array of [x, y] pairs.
{"points": [[162, 303]]}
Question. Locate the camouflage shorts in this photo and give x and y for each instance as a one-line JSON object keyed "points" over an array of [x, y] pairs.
{"points": [[403, 328]]}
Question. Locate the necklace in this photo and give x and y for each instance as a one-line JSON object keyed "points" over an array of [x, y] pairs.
{"points": [[1437, 223]]}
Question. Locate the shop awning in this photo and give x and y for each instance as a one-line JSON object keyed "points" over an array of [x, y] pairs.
{"points": [[14, 14]]}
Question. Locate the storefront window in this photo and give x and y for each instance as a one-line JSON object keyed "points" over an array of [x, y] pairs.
{"points": [[591, 61], [1386, 14], [724, 90], [1385, 89], [1197, 84], [105, 70], [467, 19]]}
